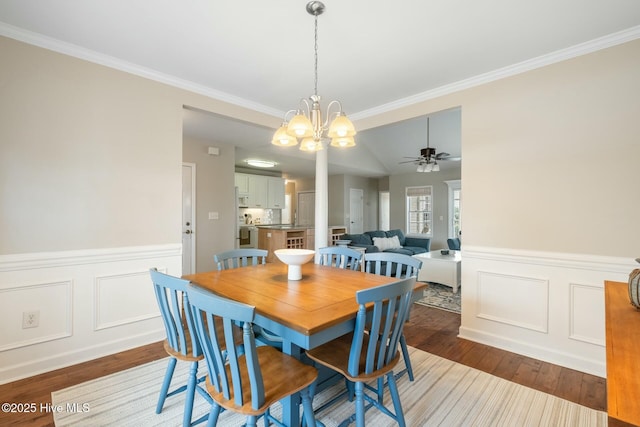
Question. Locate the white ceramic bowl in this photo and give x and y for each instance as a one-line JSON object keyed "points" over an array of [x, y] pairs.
{"points": [[294, 258]]}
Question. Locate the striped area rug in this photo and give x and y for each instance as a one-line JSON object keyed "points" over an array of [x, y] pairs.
{"points": [[444, 393]]}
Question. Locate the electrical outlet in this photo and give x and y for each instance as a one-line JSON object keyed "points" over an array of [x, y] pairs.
{"points": [[30, 319]]}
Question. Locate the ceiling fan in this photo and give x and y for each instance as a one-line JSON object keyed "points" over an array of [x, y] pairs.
{"points": [[428, 160]]}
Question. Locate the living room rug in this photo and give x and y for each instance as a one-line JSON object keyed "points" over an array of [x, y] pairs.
{"points": [[444, 393], [442, 297]]}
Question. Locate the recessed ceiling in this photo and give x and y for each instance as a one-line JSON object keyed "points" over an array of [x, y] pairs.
{"points": [[373, 56]]}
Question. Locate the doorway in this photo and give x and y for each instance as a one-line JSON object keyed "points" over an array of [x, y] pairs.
{"points": [[356, 211], [306, 208], [188, 218]]}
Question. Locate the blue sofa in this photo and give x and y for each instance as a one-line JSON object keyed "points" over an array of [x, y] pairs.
{"points": [[409, 245]]}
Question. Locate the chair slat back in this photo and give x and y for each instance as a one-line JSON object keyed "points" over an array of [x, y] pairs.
{"points": [[340, 256], [224, 360], [240, 258], [392, 264], [382, 312], [171, 295]]}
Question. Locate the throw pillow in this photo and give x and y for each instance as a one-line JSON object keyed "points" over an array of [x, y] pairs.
{"points": [[384, 243]]}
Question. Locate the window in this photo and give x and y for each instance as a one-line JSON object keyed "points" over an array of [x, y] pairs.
{"points": [[455, 194], [419, 210]]}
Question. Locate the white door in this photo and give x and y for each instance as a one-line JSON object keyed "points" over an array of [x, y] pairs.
{"points": [[188, 218], [356, 211], [306, 208]]}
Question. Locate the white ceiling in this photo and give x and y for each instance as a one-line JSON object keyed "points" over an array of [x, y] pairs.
{"points": [[373, 56]]}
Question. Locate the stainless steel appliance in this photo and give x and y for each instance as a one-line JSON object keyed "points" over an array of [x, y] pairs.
{"points": [[248, 236]]}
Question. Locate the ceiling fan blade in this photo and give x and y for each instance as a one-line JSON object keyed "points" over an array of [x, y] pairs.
{"points": [[450, 159]]}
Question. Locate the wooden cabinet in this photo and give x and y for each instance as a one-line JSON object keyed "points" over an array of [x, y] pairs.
{"points": [[292, 237], [335, 233], [311, 238], [275, 238], [622, 322]]}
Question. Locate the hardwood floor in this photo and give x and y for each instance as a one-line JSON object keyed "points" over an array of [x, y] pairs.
{"points": [[429, 329]]}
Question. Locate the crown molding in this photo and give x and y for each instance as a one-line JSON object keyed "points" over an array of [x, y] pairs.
{"points": [[76, 51], [508, 71], [511, 70]]}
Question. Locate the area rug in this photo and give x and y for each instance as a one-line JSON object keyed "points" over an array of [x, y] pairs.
{"points": [[442, 297], [444, 393]]}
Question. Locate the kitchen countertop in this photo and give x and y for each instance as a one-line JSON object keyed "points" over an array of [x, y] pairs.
{"points": [[285, 226], [291, 226]]}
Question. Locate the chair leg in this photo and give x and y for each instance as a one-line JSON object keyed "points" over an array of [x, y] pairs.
{"points": [[405, 355], [191, 391], [171, 366], [213, 415], [307, 407], [359, 389], [395, 396]]}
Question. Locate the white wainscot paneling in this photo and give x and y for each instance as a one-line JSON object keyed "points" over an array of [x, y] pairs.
{"points": [[587, 326], [92, 303], [53, 303], [123, 299], [515, 300], [545, 305]]}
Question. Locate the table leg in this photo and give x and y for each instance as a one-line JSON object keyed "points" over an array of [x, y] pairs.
{"points": [[291, 404]]}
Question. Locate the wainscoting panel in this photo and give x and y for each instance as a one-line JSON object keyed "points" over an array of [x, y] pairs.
{"points": [[124, 298], [587, 326], [91, 303], [51, 302], [549, 306], [515, 300]]}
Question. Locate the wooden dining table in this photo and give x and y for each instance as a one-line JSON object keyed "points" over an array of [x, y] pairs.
{"points": [[305, 313]]}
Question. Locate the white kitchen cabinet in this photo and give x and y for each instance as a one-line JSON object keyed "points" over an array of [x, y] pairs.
{"points": [[275, 194], [258, 191], [242, 182]]}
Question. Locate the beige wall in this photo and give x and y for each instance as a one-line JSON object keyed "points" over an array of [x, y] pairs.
{"points": [[90, 157], [551, 157]]}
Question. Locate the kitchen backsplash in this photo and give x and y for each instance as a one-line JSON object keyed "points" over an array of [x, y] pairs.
{"points": [[259, 216]]}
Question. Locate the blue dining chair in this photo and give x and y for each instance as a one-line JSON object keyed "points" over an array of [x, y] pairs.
{"points": [[181, 343], [371, 350], [340, 256], [399, 266], [244, 257], [240, 258], [251, 382]]}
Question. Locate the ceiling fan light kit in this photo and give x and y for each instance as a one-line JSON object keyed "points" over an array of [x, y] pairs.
{"points": [[428, 160], [307, 124]]}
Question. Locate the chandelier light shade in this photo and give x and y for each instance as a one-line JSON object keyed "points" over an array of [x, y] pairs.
{"points": [[310, 144], [282, 137], [307, 125]]}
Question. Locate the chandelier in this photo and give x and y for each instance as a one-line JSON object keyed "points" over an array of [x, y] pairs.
{"points": [[307, 124]]}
